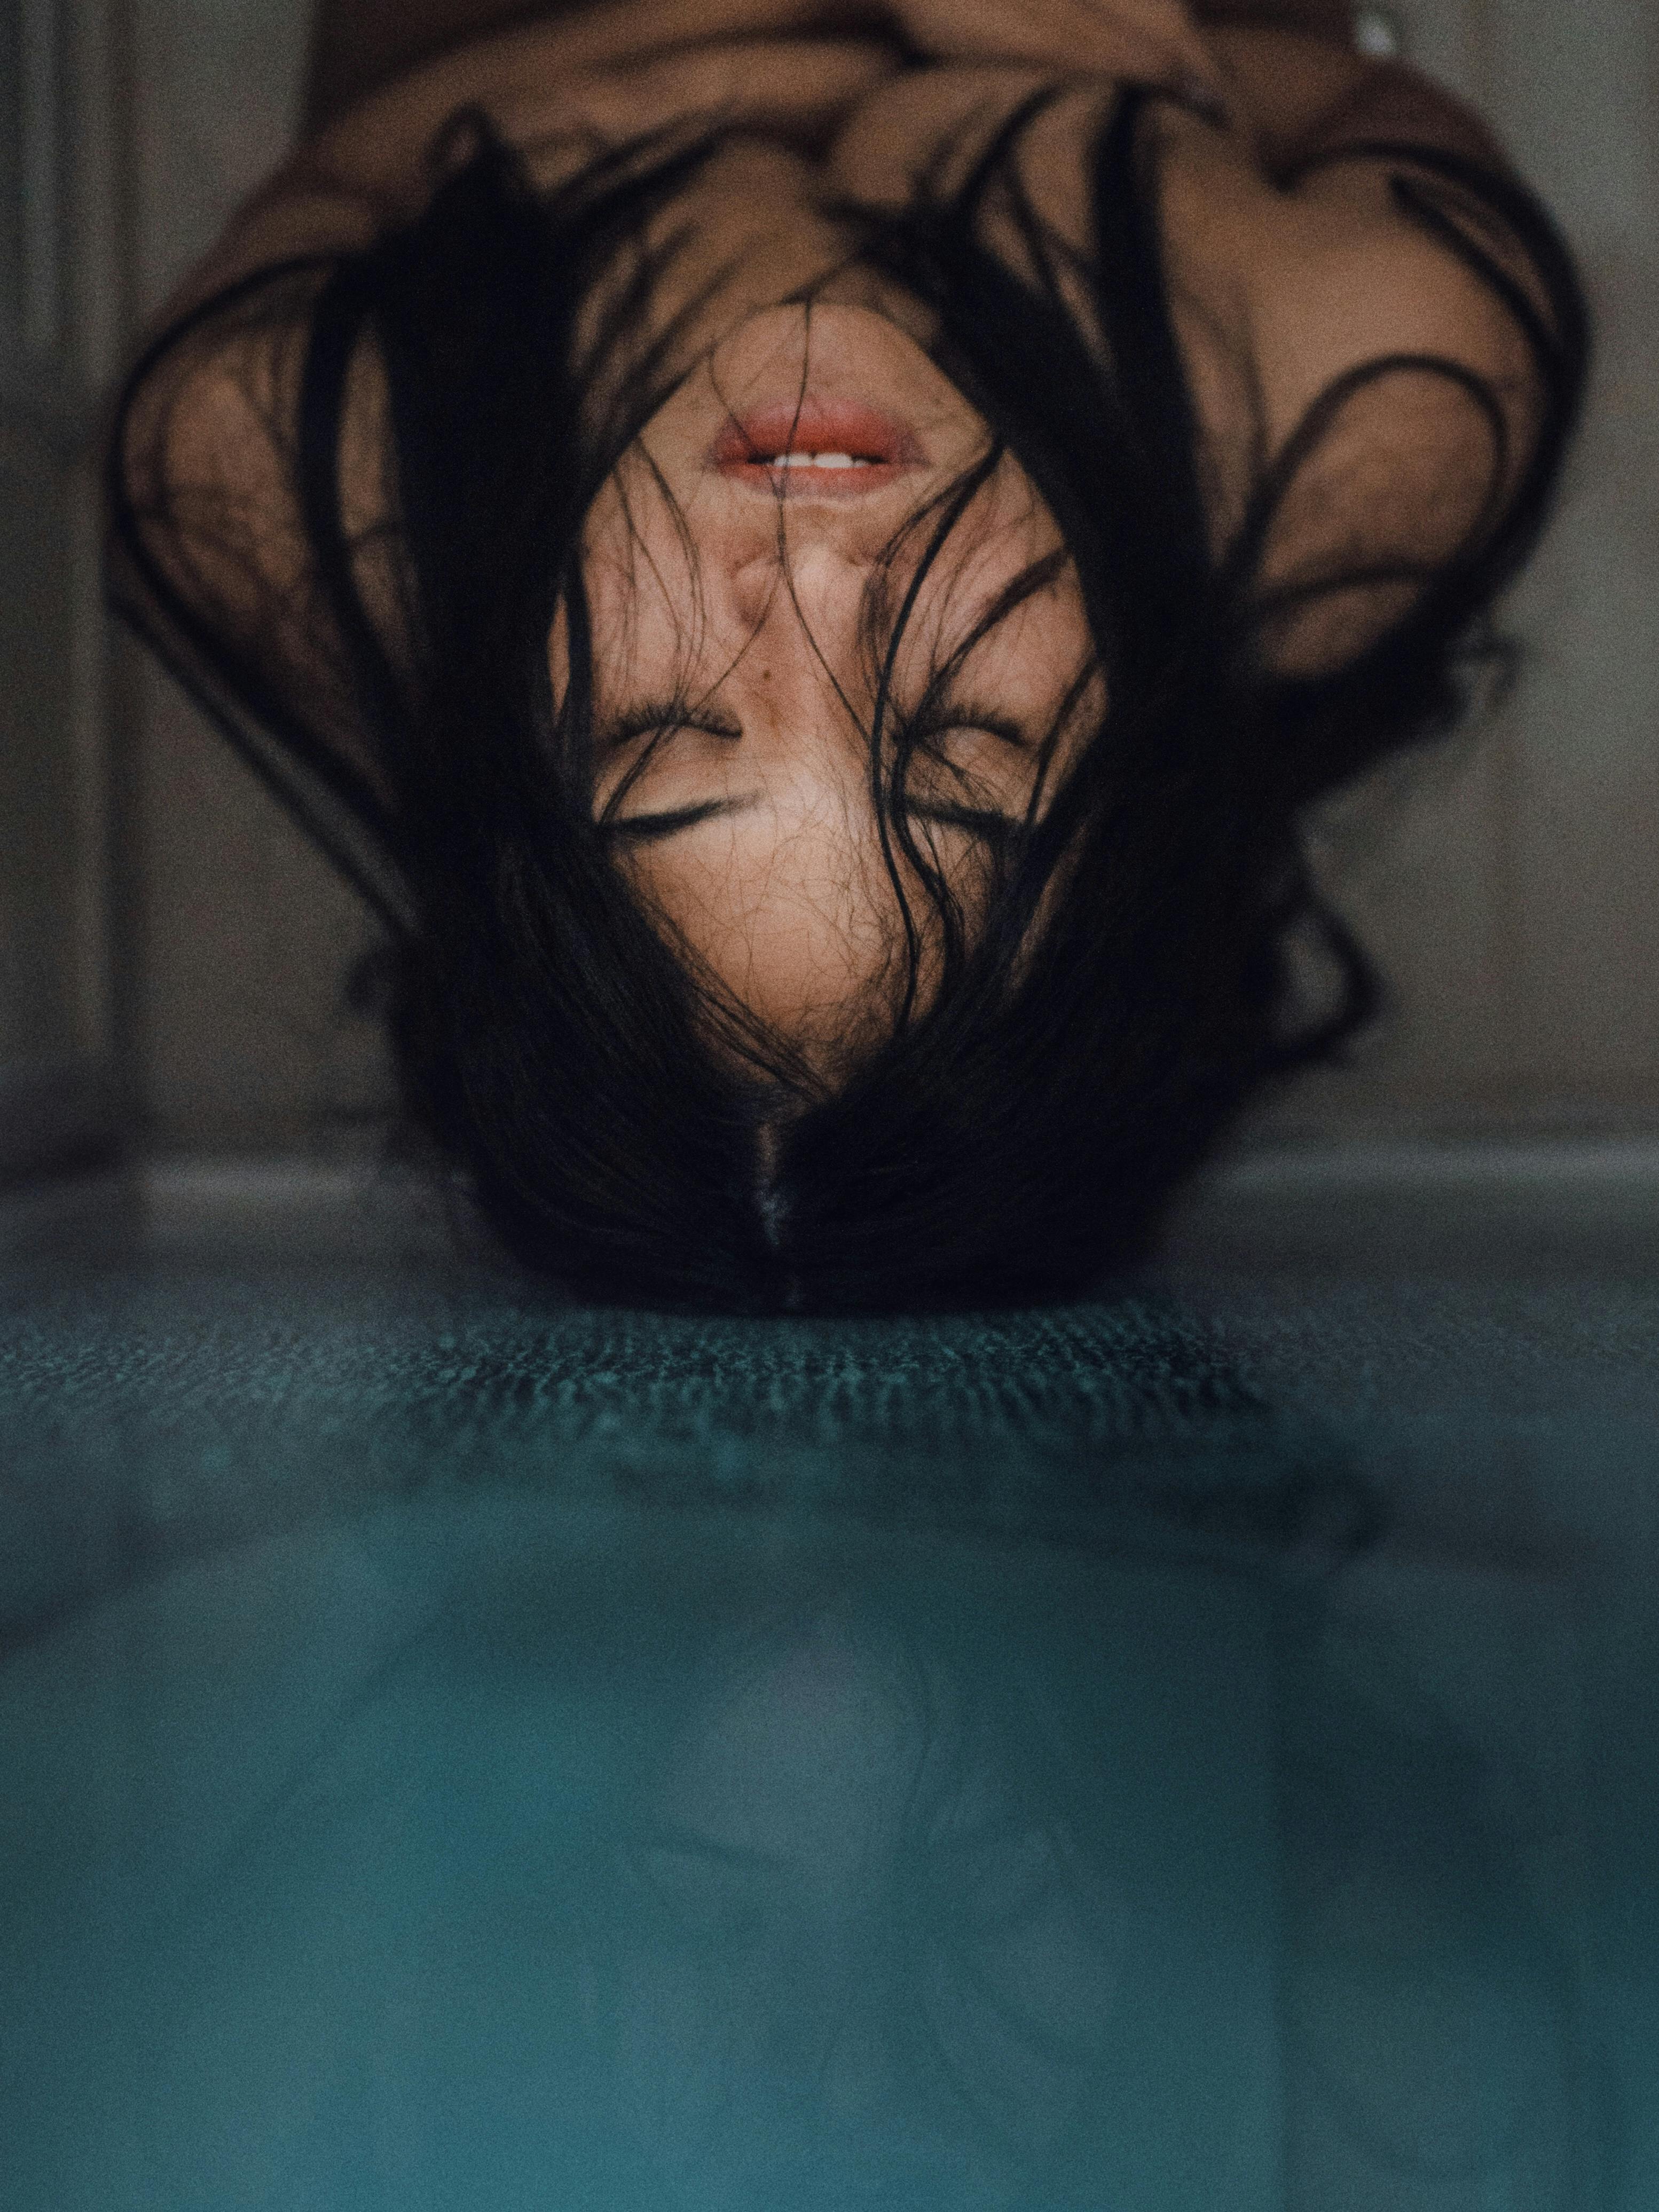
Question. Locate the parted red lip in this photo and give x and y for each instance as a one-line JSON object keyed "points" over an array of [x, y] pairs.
{"points": [[749, 441]]}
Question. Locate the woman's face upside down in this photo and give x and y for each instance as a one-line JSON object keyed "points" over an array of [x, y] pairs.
{"points": [[746, 567]]}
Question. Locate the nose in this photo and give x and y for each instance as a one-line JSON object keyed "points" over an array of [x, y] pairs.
{"points": [[809, 578]]}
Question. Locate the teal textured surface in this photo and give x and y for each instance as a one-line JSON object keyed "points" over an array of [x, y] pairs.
{"points": [[470, 1751], [151, 1408]]}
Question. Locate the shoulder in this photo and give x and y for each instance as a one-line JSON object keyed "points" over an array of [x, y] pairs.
{"points": [[205, 435], [1334, 269], [212, 550], [1383, 335]]}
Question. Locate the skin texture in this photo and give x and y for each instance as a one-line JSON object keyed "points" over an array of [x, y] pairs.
{"points": [[730, 610]]}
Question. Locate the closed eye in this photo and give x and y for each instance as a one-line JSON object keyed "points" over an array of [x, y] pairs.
{"points": [[971, 718], [658, 720], [664, 718], [984, 795]]}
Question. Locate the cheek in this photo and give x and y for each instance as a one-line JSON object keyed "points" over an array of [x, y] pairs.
{"points": [[1038, 654], [643, 595]]}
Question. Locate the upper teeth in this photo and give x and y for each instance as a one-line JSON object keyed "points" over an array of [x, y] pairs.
{"points": [[818, 461]]}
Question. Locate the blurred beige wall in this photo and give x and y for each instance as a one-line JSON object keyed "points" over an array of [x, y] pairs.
{"points": [[60, 314], [1507, 885], [244, 934]]}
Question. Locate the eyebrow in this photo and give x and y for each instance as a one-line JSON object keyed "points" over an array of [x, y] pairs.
{"points": [[988, 822], [995, 827]]}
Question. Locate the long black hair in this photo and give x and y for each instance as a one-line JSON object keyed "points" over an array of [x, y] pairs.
{"points": [[1028, 1128]]}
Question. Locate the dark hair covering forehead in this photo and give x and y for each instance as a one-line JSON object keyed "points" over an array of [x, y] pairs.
{"points": [[1030, 1129]]}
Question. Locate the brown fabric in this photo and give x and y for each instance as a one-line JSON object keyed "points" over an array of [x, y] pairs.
{"points": [[1395, 103], [1319, 19], [358, 45]]}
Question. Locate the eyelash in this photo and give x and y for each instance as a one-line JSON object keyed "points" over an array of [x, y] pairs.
{"points": [[664, 720], [965, 714]]}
